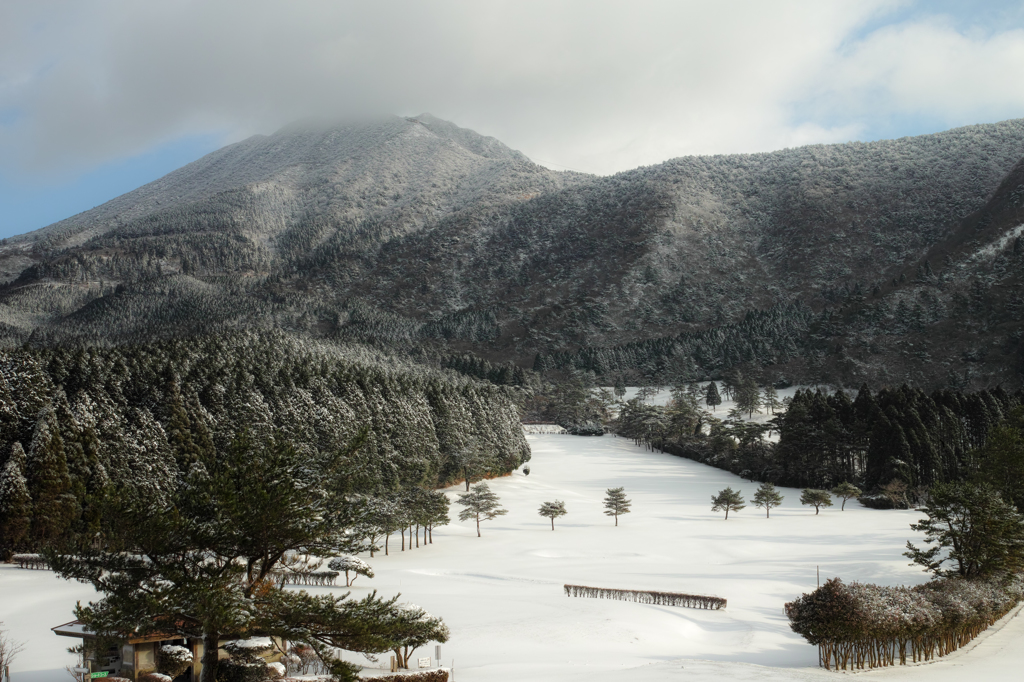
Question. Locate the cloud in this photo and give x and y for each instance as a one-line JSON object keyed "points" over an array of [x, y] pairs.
{"points": [[599, 86]]}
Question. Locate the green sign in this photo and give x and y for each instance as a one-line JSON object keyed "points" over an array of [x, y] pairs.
{"points": [[100, 674]]}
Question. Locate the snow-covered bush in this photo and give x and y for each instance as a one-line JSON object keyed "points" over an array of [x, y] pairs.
{"points": [[859, 625], [246, 663], [173, 660], [351, 564]]}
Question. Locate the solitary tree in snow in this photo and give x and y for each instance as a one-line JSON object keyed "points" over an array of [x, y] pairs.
{"points": [[727, 500], [846, 490], [817, 498], [711, 397], [771, 398], [767, 496], [615, 503], [748, 397], [480, 504], [351, 564], [553, 510]]}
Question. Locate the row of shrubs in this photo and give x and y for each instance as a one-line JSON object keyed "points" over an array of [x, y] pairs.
{"points": [[693, 601], [858, 625]]}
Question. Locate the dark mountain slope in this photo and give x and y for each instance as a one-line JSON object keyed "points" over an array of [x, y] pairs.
{"points": [[411, 232]]}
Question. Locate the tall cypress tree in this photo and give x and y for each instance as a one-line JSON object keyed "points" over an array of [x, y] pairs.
{"points": [[15, 503], [54, 506]]}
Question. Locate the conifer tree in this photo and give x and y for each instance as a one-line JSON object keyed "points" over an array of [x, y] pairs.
{"points": [[481, 504], [53, 505], [727, 500], [767, 497], [553, 510], [971, 527], [711, 397], [816, 498], [748, 397], [771, 398], [846, 491], [15, 503], [615, 503]]}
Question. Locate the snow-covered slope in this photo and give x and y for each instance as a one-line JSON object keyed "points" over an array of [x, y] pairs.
{"points": [[418, 167], [501, 594]]}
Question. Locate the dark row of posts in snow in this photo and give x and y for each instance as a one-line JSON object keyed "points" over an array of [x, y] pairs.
{"points": [[690, 601]]}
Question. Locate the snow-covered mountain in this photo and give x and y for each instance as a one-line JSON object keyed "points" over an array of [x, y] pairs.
{"points": [[410, 231]]}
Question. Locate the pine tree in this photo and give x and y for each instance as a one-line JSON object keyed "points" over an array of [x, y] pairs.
{"points": [[711, 397], [767, 497], [846, 491], [727, 500], [480, 504], [816, 498], [771, 398], [972, 527], [553, 510], [615, 503], [15, 503], [748, 397], [54, 507]]}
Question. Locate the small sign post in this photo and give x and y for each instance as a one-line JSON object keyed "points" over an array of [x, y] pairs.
{"points": [[424, 662], [102, 673]]}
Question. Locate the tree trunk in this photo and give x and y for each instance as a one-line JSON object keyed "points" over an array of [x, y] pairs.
{"points": [[816, 510], [552, 523], [211, 650], [478, 525], [616, 520], [842, 507], [403, 538], [417, 536], [430, 531], [386, 538], [726, 513], [466, 471]]}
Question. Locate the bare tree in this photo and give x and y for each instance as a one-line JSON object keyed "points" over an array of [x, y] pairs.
{"points": [[9, 648]]}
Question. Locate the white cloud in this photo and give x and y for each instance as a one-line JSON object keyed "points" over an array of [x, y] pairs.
{"points": [[599, 86]]}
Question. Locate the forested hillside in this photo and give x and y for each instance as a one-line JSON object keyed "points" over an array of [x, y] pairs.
{"points": [[80, 420], [880, 262]]}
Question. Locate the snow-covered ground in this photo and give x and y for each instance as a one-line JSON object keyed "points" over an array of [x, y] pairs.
{"points": [[501, 594]]}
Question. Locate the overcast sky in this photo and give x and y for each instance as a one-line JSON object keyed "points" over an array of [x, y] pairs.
{"points": [[102, 96]]}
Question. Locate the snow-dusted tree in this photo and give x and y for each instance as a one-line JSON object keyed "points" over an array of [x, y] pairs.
{"points": [[15, 503], [846, 491], [615, 503], [727, 500], [481, 504], [748, 397], [767, 497], [552, 510], [46, 471], [771, 398], [351, 564], [205, 571], [473, 460], [711, 397], [816, 498], [412, 628], [971, 527]]}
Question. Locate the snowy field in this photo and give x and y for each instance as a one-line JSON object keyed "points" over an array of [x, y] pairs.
{"points": [[502, 594]]}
